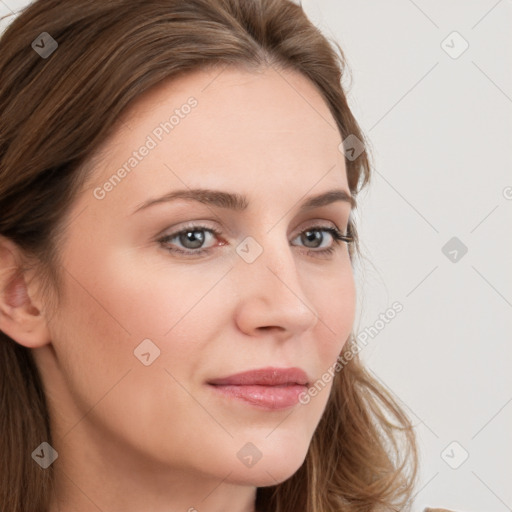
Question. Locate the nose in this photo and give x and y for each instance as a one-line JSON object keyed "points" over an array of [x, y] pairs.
{"points": [[271, 292]]}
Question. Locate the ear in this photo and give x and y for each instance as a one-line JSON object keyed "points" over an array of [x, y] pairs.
{"points": [[22, 317]]}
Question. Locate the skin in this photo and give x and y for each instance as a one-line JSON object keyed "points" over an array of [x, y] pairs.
{"points": [[132, 437]]}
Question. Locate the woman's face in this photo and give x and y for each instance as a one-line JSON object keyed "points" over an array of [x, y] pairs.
{"points": [[143, 328]]}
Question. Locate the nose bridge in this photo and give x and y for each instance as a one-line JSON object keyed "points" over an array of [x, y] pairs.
{"points": [[269, 254], [268, 275]]}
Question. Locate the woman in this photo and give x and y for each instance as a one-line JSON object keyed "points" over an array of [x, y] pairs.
{"points": [[177, 253]]}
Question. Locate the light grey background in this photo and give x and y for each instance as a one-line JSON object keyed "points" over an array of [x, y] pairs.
{"points": [[440, 127]]}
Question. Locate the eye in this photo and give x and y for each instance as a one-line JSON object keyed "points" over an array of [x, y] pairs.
{"points": [[189, 238], [192, 239], [314, 234]]}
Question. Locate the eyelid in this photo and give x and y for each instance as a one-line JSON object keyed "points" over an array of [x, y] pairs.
{"points": [[195, 224], [315, 223]]}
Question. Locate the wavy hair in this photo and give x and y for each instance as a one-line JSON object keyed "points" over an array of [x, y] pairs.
{"points": [[110, 52]]}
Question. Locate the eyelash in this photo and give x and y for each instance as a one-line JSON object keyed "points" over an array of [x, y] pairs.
{"points": [[338, 237]]}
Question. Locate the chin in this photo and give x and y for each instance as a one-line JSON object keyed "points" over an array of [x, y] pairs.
{"points": [[270, 470], [262, 478]]}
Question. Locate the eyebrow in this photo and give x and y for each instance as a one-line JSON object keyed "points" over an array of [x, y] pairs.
{"points": [[238, 202]]}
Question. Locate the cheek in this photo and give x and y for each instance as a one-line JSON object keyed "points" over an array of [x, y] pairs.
{"points": [[133, 299], [141, 297], [336, 306], [110, 310]]}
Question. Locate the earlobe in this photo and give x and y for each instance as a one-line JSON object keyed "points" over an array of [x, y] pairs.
{"points": [[20, 319]]}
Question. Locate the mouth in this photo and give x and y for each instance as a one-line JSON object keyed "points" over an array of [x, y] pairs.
{"points": [[266, 388]]}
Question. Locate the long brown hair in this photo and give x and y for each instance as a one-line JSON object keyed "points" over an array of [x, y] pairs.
{"points": [[55, 112]]}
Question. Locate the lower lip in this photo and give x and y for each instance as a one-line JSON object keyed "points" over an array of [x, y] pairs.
{"points": [[267, 397]]}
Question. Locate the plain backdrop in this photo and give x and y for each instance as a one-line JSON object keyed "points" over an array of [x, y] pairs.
{"points": [[431, 86]]}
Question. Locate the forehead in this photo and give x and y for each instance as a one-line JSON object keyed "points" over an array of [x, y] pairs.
{"points": [[265, 94], [211, 128]]}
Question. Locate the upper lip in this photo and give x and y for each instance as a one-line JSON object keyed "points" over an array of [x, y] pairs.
{"points": [[264, 377]]}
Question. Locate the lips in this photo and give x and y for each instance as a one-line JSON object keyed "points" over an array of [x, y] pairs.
{"points": [[265, 377], [267, 388]]}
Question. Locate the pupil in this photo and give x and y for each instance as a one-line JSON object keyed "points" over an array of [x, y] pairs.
{"points": [[315, 235], [190, 236]]}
